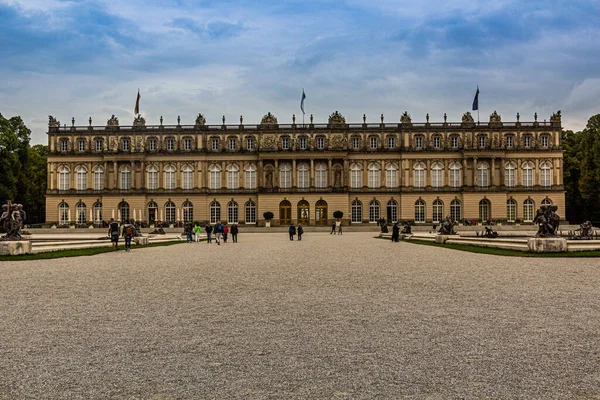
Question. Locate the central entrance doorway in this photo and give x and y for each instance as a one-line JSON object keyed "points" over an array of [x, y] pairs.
{"points": [[152, 212], [321, 212], [303, 212], [285, 213]]}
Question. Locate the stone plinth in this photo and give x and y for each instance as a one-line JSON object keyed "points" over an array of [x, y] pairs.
{"points": [[547, 245], [15, 248], [141, 240], [441, 239]]}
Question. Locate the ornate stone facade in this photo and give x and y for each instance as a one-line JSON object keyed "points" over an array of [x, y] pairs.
{"points": [[401, 171]]}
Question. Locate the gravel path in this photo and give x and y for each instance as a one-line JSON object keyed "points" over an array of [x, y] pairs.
{"points": [[329, 317]]}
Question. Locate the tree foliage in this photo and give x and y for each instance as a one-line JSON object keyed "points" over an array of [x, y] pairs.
{"points": [[22, 168]]}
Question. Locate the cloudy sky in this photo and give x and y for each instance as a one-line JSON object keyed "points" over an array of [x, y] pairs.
{"points": [[86, 59]]}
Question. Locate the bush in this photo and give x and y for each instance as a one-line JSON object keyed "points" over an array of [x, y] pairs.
{"points": [[338, 214], [268, 215]]}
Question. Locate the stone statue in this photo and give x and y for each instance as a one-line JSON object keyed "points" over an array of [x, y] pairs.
{"points": [[113, 121], [467, 119], [489, 233], [447, 226], [547, 220], [556, 117], [336, 119], [405, 118], [586, 230], [406, 229], [268, 119], [269, 180], [13, 217], [338, 179], [52, 122], [139, 121], [200, 120]]}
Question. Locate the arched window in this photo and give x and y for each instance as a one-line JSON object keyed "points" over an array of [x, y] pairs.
{"points": [[250, 173], [124, 211], [64, 214], [419, 211], [438, 211], [321, 175], [373, 174], [546, 174], [546, 202], [356, 176], [483, 175], [392, 211], [419, 175], [233, 176], [125, 178], [303, 178], [321, 212], [374, 209], [232, 212], [303, 212], [455, 175], [170, 212], [391, 176], [437, 175], [63, 178], [484, 210], [510, 176], [356, 211], [81, 210], [187, 177], [81, 178], [97, 210], [152, 212], [285, 212], [99, 178], [215, 212], [169, 177], [455, 212], [528, 174], [215, 177], [188, 211], [528, 210], [511, 210], [152, 177], [250, 212], [285, 176]]}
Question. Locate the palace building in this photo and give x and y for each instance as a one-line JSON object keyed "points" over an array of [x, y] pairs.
{"points": [[302, 173]]}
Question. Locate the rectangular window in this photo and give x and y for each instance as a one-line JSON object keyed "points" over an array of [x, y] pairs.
{"points": [[285, 143], [152, 144], [214, 144], [355, 143], [391, 178], [64, 146], [509, 141], [187, 178], [527, 140], [98, 180], [419, 178], [303, 178], [232, 144], [528, 177], [232, 179], [436, 178], [509, 177], [81, 144], [170, 144], [511, 211], [356, 179], [454, 142], [250, 180], [152, 180], [250, 213], [215, 179], [419, 142], [125, 180], [373, 176], [373, 142], [125, 145], [391, 142], [356, 212], [250, 144], [321, 178], [285, 180], [98, 145], [545, 140], [482, 141], [187, 144], [302, 143], [455, 177], [320, 143], [437, 142]]}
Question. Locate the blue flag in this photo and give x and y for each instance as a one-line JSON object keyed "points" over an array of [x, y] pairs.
{"points": [[476, 100], [302, 102]]}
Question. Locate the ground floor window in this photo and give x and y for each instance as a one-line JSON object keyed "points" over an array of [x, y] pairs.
{"points": [[232, 213], [420, 211], [511, 210], [215, 212], [124, 211], [455, 210], [528, 210], [392, 211], [250, 213], [188, 212], [374, 211], [170, 212], [356, 211], [81, 210], [484, 210], [64, 214], [438, 211]]}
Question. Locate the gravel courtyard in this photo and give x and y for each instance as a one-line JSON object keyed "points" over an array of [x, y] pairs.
{"points": [[329, 317]]}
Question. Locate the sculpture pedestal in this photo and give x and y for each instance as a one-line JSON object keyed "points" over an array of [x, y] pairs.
{"points": [[141, 240], [547, 245], [15, 248], [441, 239]]}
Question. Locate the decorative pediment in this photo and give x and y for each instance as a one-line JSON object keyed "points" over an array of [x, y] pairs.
{"points": [[138, 121], [556, 117], [268, 119], [52, 122], [467, 118], [113, 121], [200, 120], [336, 119], [405, 118]]}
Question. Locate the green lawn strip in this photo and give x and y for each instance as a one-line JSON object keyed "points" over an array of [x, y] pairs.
{"points": [[500, 252], [83, 252]]}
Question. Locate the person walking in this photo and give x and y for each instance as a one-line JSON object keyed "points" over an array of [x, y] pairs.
{"points": [[332, 228], [225, 233], [292, 231], [300, 232], [113, 232], [339, 227], [128, 233], [234, 233], [209, 231], [197, 230], [189, 232], [395, 233], [218, 232]]}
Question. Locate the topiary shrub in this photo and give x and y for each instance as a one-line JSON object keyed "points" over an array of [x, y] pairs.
{"points": [[338, 214], [268, 215]]}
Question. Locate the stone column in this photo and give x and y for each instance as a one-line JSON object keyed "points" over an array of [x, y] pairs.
{"points": [[519, 173], [492, 180], [133, 174], [178, 182], [475, 171], [365, 180], [329, 172], [142, 175], [536, 172], [312, 173], [382, 174], [294, 175], [89, 180], [223, 175], [464, 171], [160, 176], [116, 175], [276, 174], [259, 176], [428, 173], [105, 174], [346, 173]]}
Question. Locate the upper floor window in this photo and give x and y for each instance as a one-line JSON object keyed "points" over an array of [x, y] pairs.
{"points": [[303, 178], [250, 143], [454, 141], [320, 142], [214, 144], [419, 142], [545, 140], [63, 178], [419, 175], [373, 142], [125, 178], [233, 176], [437, 175], [64, 145], [510, 179], [483, 175], [437, 142], [356, 176], [391, 142], [152, 181], [285, 143], [250, 177], [98, 178], [152, 144], [527, 140], [509, 141], [125, 145], [374, 176], [455, 175], [302, 143], [482, 141], [81, 145], [170, 144], [546, 174], [321, 175], [391, 176], [215, 177], [528, 174], [187, 144], [355, 142], [285, 176], [98, 144], [169, 177], [81, 178], [232, 144]]}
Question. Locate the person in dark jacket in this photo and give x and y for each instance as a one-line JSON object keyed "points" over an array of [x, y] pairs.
{"points": [[234, 233], [292, 231], [396, 233], [208, 230], [300, 232]]}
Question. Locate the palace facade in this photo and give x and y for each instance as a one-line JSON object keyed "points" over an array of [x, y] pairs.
{"points": [[302, 173]]}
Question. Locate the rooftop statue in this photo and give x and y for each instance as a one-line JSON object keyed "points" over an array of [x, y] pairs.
{"points": [[556, 117], [467, 118], [547, 221], [52, 122], [336, 119], [12, 218], [139, 121], [405, 118], [113, 121], [495, 119], [200, 120], [268, 119]]}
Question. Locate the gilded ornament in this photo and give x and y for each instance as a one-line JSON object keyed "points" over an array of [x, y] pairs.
{"points": [[268, 119], [336, 119]]}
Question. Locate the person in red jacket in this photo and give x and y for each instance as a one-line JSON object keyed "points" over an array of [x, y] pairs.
{"points": [[225, 232]]}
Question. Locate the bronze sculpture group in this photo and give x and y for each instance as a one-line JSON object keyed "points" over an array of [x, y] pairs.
{"points": [[547, 221], [447, 226], [12, 219]]}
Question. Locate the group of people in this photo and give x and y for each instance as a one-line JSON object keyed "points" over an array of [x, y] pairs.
{"points": [[127, 231], [221, 233], [336, 225], [293, 230]]}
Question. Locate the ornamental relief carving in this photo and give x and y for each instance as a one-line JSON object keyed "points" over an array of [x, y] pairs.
{"points": [[268, 143], [139, 144], [338, 142]]}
